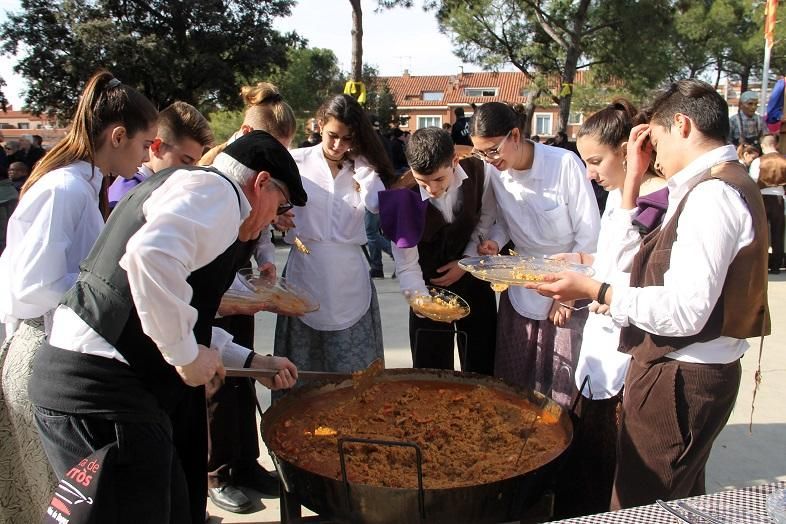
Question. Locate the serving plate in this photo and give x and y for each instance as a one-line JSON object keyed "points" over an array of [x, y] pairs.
{"points": [[275, 294], [504, 271], [439, 304]]}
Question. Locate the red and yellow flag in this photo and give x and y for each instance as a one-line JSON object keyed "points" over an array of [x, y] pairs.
{"points": [[769, 21]]}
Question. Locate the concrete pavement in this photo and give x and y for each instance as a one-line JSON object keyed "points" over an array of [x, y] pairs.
{"points": [[739, 458]]}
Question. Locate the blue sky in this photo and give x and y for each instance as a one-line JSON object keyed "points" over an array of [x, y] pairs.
{"points": [[393, 40]]}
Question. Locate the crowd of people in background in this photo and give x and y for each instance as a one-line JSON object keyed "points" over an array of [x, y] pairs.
{"points": [[123, 238]]}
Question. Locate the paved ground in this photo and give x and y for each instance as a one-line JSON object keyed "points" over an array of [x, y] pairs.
{"points": [[740, 458]]}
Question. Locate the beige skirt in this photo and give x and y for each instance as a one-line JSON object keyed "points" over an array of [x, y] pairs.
{"points": [[26, 479]]}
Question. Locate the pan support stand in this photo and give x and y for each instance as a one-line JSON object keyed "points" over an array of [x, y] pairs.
{"points": [[541, 511]]}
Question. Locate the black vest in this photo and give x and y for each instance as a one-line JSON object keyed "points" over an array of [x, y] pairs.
{"points": [[442, 242], [102, 298]]}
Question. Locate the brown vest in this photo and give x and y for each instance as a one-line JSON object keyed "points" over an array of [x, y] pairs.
{"points": [[741, 310], [772, 170], [442, 242]]}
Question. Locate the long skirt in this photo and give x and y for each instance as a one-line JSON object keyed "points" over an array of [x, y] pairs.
{"points": [[587, 476], [345, 350], [26, 478], [535, 354]]}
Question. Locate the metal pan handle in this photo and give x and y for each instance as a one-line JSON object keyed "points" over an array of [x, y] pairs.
{"points": [[418, 463]]}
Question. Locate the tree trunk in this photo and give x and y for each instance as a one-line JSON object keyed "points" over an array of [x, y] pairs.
{"points": [[572, 55], [529, 111], [744, 77], [718, 76], [357, 41], [568, 76]]}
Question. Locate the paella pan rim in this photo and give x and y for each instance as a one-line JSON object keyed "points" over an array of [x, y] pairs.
{"points": [[284, 406]]}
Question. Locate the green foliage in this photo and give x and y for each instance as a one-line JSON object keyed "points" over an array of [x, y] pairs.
{"points": [[3, 99], [380, 102], [556, 38], [310, 76], [198, 51], [379, 98], [594, 95], [225, 123]]}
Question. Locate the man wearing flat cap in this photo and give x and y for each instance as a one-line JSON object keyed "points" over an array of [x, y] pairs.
{"points": [[132, 344], [746, 126]]}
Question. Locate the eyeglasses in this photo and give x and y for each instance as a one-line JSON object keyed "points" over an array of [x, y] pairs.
{"points": [[286, 206], [491, 154]]}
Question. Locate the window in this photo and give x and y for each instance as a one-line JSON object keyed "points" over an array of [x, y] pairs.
{"points": [[575, 118], [543, 124], [433, 96], [480, 91], [23, 125], [429, 121], [403, 120]]}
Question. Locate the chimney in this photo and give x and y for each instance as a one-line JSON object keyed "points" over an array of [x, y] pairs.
{"points": [[405, 74], [461, 72]]}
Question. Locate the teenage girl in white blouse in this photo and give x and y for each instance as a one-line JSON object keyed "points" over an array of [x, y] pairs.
{"points": [[545, 206], [602, 142], [52, 229], [342, 176]]}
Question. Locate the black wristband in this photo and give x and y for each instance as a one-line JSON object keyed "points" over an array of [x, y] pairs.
{"points": [[602, 293]]}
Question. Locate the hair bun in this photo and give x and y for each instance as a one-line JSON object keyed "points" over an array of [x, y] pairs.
{"points": [[261, 93], [271, 99]]}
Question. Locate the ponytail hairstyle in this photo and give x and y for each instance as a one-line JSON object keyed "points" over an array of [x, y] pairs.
{"points": [[267, 111], [611, 125], [105, 101], [365, 140], [496, 119]]}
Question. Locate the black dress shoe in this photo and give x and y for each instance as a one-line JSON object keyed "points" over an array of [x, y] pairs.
{"points": [[229, 498], [376, 273], [259, 479]]}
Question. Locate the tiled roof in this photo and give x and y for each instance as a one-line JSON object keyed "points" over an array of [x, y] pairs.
{"points": [[408, 90], [10, 113]]}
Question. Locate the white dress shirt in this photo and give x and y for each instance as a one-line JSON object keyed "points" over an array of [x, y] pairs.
{"points": [[715, 224], [618, 243], [332, 226], [754, 173], [191, 219], [545, 210], [408, 271], [50, 233]]}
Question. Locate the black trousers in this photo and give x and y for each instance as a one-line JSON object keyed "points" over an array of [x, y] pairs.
{"points": [[146, 481], [432, 342], [773, 207], [231, 414]]}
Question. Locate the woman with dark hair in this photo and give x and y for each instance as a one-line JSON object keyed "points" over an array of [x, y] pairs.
{"points": [[546, 206], [342, 176], [708, 259], [60, 214], [602, 142]]}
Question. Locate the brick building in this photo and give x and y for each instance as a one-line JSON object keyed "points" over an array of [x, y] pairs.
{"points": [[14, 124], [423, 101]]}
